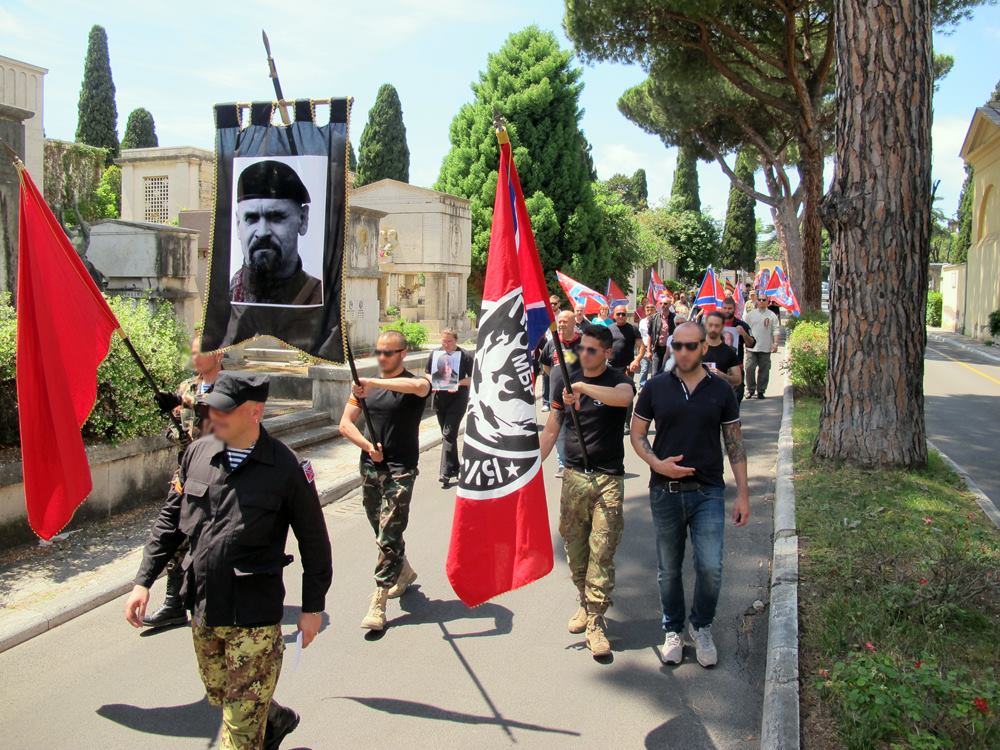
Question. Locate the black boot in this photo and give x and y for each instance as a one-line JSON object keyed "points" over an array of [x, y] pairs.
{"points": [[281, 722], [172, 611]]}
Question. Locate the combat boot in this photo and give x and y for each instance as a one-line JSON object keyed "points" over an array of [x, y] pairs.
{"points": [[281, 722], [578, 622], [597, 637], [375, 619], [172, 611], [406, 576]]}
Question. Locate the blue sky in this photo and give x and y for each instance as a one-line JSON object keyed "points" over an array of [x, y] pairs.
{"points": [[179, 59]]}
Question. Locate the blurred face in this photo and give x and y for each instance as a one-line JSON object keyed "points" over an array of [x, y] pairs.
{"points": [[566, 323], [650, 310], [713, 327], [605, 311], [578, 312], [729, 310], [203, 363], [231, 426], [390, 351], [592, 353], [448, 342], [686, 336], [762, 303], [269, 231], [621, 315]]}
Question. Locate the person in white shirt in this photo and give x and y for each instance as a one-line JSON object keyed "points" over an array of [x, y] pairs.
{"points": [[647, 360], [764, 329]]}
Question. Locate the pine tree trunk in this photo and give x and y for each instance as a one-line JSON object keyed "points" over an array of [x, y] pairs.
{"points": [[807, 286], [878, 214], [789, 235]]}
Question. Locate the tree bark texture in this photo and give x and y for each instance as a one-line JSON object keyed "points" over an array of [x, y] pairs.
{"points": [[878, 214], [807, 286]]}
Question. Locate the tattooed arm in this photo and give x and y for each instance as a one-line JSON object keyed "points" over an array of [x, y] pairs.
{"points": [[668, 467], [732, 434]]}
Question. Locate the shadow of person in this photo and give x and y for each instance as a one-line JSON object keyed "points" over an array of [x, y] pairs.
{"points": [[420, 610], [199, 719], [290, 616], [684, 730]]}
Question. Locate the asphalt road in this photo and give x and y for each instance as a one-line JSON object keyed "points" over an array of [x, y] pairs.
{"points": [[443, 676], [962, 407]]}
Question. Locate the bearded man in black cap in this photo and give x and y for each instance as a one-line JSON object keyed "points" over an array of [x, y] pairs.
{"points": [[272, 212]]}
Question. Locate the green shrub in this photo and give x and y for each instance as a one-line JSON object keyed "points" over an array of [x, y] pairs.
{"points": [[995, 323], [392, 311], [809, 316], [935, 304], [807, 357], [124, 407], [414, 333]]}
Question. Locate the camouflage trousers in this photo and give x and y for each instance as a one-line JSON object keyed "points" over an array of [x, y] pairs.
{"points": [[240, 668], [386, 497], [591, 524]]}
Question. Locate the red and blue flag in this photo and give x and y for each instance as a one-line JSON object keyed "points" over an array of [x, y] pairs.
{"points": [[711, 293], [580, 294], [614, 295]]}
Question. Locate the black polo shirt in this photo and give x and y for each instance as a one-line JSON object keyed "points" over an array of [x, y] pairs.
{"points": [[689, 424], [600, 424]]}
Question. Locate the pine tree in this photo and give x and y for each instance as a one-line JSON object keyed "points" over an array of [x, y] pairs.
{"points": [[382, 152], [684, 191], [532, 82], [739, 236], [97, 115], [140, 130]]}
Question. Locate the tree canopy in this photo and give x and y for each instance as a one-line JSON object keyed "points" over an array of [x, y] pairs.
{"points": [[382, 151], [140, 130], [97, 114]]}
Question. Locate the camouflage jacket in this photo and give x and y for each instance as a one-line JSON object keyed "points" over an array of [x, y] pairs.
{"points": [[188, 391]]}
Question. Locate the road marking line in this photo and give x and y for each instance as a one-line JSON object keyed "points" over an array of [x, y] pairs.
{"points": [[966, 365]]}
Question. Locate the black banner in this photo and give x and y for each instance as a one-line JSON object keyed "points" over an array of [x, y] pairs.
{"points": [[277, 257]]}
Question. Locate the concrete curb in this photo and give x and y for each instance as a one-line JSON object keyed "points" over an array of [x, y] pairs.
{"points": [[962, 345], [780, 719], [982, 499], [23, 625]]}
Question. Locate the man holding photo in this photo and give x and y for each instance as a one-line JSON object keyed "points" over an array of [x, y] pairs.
{"points": [[451, 399]]}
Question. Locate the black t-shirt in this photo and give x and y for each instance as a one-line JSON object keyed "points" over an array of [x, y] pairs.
{"points": [[550, 358], [601, 424], [623, 346], [734, 328], [688, 424], [723, 356], [443, 399], [396, 419]]}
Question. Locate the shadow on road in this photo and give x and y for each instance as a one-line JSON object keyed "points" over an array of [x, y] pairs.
{"points": [[200, 719], [421, 610], [426, 711]]}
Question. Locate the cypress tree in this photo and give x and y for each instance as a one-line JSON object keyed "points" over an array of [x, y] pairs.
{"points": [[382, 152], [684, 191], [352, 158], [739, 236], [140, 130], [963, 239], [97, 115]]}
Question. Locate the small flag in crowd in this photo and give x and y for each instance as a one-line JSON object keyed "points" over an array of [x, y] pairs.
{"points": [[780, 290], [579, 294], [615, 296], [64, 328], [657, 289], [500, 537], [710, 293]]}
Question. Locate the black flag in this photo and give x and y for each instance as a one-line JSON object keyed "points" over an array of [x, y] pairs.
{"points": [[277, 263]]}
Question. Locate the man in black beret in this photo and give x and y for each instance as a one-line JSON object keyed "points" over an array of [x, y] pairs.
{"points": [[272, 212], [235, 496]]}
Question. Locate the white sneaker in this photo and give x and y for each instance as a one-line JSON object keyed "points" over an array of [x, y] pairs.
{"points": [[704, 646], [672, 651]]}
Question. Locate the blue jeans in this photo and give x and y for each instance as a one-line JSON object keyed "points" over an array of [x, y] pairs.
{"points": [[644, 367], [561, 440], [703, 512]]}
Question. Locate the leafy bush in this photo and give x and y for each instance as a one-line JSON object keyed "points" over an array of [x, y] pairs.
{"points": [[392, 311], [124, 408], [995, 323], [414, 333], [807, 357], [935, 304], [809, 316]]}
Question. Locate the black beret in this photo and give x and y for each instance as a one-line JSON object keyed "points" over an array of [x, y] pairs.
{"points": [[235, 388], [271, 179]]}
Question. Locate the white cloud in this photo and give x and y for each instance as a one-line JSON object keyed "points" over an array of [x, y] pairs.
{"points": [[947, 135]]}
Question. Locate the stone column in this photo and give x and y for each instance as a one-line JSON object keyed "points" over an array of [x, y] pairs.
{"points": [[12, 132]]}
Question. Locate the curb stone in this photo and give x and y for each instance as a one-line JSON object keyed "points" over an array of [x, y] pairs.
{"points": [[22, 625], [982, 499], [962, 345], [780, 719]]}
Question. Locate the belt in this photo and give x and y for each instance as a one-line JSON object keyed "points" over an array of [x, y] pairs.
{"points": [[674, 486]]}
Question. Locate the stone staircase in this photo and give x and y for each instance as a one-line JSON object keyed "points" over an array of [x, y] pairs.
{"points": [[297, 424]]}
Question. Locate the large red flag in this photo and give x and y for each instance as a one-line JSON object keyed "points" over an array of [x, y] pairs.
{"points": [[64, 329], [580, 294], [500, 536]]}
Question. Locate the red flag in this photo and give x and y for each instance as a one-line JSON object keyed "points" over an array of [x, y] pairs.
{"points": [[615, 295], [710, 293], [579, 294], [500, 537], [64, 328]]}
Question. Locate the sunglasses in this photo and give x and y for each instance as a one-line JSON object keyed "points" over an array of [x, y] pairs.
{"points": [[591, 350], [620, 315], [386, 352], [689, 345]]}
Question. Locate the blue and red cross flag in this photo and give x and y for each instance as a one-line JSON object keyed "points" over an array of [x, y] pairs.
{"points": [[615, 296], [500, 538], [711, 293], [580, 294]]}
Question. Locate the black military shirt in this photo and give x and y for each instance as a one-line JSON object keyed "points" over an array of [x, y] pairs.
{"points": [[600, 424], [689, 424], [238, 523], [396, 419]]}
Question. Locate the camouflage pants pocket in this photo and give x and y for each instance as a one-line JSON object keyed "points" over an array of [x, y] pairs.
{"points": [[386, 498], [591, 524], [239, 667]]}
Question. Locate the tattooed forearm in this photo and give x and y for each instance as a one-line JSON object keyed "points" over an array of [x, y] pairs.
{"points": [[733, 436], [640, 442]]}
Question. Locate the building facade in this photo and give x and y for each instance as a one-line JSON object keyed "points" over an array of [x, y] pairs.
{"points": [[23, 85], [158, 183]]}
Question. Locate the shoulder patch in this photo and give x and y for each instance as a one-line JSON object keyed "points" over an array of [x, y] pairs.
{"points": [[307, 469]]}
